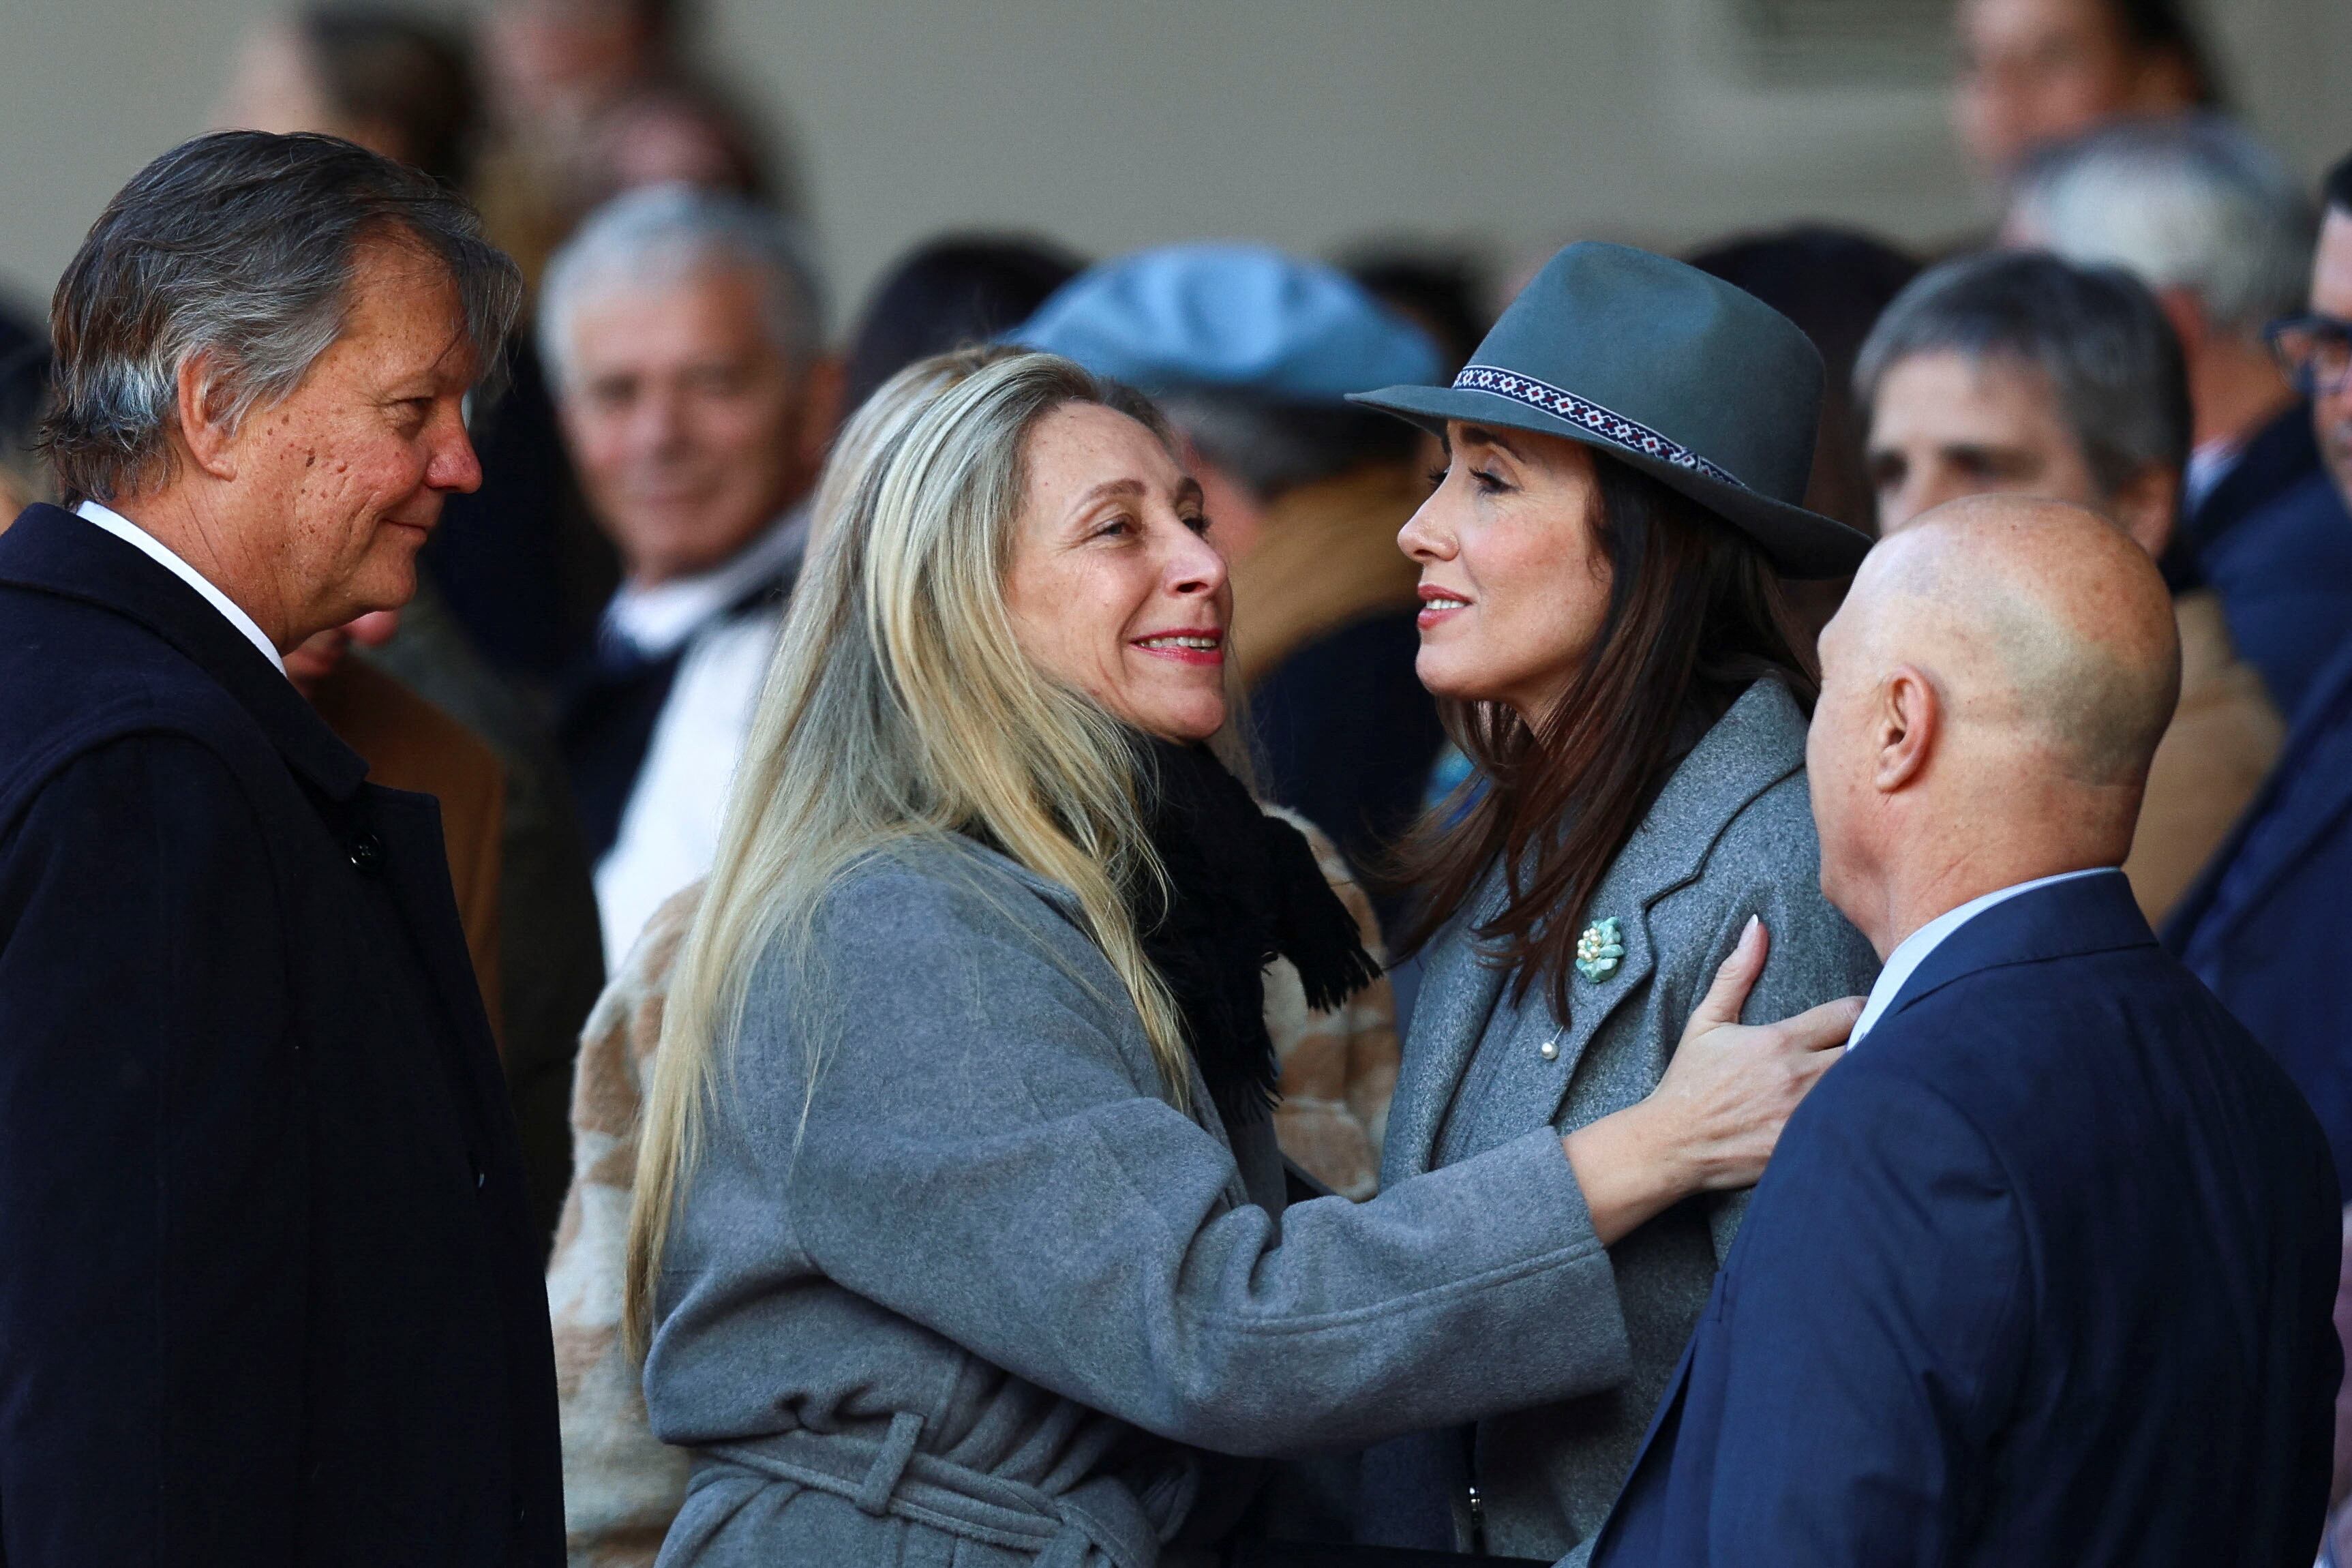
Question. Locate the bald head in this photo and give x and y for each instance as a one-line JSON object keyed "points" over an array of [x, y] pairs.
{"points": [[2043, 624], [1993, 691]]}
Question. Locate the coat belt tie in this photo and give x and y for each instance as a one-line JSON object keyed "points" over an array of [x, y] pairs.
{"points": [[1098, 1525]]}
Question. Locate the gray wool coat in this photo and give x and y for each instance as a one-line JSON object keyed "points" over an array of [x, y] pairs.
{"points": [[1731, 834], [979, 1295]]}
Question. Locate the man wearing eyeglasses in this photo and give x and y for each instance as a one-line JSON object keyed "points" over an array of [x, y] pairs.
{"points": [[2315, 349], [2269, 926]]}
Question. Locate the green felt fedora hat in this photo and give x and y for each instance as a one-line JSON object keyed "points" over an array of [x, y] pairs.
{"points": [[1668, 369]]}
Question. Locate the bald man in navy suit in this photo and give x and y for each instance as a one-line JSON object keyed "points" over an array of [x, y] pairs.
{"points": [[2041, 1273]]}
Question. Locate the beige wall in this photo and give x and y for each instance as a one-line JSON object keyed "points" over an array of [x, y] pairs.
{"points": [[1515, 122]]}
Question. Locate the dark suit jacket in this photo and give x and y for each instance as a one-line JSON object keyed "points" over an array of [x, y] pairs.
{"points": [[270, 1295], [2274, 541], [2269, 924], [2042, 1274]]}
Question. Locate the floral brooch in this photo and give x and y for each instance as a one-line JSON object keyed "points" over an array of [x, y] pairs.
{"points": [[1598, 950]]}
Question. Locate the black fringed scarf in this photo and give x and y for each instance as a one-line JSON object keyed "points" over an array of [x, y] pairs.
{"points": [[1243, 889]]}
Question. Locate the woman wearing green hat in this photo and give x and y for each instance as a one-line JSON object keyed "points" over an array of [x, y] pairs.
{"points": [[1602, 617]]}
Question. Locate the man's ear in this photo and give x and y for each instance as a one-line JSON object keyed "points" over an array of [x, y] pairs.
{"points": [[208, 440], [2146, 506], [1910, 723]]}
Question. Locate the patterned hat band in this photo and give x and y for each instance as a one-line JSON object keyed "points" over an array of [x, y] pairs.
{"points": [[1614, 428]]}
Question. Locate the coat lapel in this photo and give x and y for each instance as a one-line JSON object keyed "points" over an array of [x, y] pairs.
{"points": [[1753, 747], [57, 553], [2282, 454], [2302, 782], [2064, 920], [1457, 995]]}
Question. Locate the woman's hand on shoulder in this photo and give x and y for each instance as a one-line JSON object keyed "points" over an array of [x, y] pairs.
{"points": [[1713, 1120], [1732, 1087]]}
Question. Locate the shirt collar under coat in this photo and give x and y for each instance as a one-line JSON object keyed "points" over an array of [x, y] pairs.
{"points": [[52, 550], [656, 622]]}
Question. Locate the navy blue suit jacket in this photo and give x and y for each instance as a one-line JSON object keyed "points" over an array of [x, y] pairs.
{"points": [[2274, 541], [2041, 1274], [270, 1293], [2269, 923]]}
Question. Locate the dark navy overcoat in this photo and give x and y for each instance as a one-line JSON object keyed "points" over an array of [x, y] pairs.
{"points": [[268, 1293]]}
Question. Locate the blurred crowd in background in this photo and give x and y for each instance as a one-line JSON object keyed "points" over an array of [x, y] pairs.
{"points": [[576, 674]]}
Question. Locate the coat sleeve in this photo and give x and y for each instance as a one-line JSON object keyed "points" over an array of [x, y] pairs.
{"points": [[1845, 1392], [982, 1154], [151, 1174]]}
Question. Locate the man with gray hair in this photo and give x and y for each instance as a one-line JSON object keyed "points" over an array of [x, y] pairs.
{"points": [[2218, 226], [272, 1295], [682, 330], [2019, 374]]}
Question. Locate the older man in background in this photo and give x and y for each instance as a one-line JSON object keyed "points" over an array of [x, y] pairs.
{"points": [[2269, 924], [2023, 375], [682, 328], [2220, 229], [2041, 1273], [2035, 71], [1252, 353], [271, 1295]]}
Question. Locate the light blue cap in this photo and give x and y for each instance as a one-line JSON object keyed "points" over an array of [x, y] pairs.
{"points": [[1242, 317]]}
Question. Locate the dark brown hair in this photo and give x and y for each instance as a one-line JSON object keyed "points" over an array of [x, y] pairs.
{"points": [[1695, 616]]}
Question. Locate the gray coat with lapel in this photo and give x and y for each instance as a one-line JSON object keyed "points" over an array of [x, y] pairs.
{"points": [[975, 1286], [1730, 835]]}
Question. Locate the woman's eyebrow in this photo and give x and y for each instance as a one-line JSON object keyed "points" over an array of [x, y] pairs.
{"points": [[1478, 435], [1106, 491]]}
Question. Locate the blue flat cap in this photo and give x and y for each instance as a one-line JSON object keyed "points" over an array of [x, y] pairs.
{"points": [[1239, 316]]}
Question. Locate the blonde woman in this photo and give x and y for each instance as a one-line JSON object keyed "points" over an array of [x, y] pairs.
{"points": [[959, 1224]]}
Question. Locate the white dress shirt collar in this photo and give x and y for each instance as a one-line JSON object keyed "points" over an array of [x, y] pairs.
{"points": [[2209, 464], [657, 621], [1905, 959], [163, 556]]}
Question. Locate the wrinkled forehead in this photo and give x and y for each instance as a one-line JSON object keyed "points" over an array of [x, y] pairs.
{"points": [[1962, 390], [403, 304], [1079, 452]]}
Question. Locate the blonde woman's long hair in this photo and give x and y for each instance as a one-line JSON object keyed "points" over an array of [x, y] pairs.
{"points": [[899, 707]]}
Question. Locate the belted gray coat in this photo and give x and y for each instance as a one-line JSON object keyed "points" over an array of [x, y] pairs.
{"points": [[974, 1291], [1730, 835]]}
